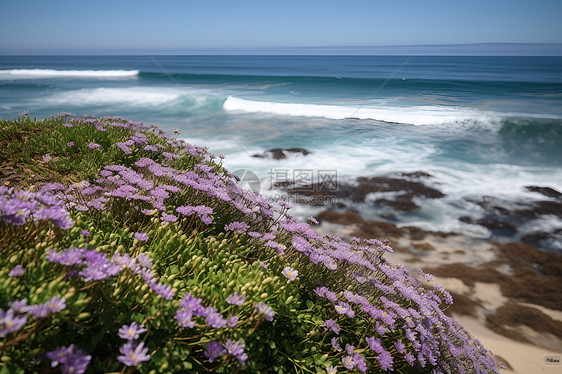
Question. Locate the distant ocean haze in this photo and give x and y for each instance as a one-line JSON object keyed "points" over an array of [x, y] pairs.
{"points": [[481, 126]]}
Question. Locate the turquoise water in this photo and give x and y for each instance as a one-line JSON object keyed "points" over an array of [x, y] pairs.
{"points": [[482, 126]]}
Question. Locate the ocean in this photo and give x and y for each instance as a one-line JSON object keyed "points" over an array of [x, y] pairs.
{"points": [[484, 128]]}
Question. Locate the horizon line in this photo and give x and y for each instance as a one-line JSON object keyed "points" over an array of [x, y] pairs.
{"points": [[456, 49]]}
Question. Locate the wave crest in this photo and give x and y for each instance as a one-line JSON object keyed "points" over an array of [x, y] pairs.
{"points": [[417, 115], [51, 73]]}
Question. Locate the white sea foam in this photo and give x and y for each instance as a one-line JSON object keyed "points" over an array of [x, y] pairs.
{"points": [[416, 115], [131, 96], [51, 73]]}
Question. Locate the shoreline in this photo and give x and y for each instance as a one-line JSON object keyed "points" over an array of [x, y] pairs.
{"points": [[507, 295]]}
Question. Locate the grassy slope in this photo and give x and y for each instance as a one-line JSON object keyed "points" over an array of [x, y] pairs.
{"points": [[204, 259]]}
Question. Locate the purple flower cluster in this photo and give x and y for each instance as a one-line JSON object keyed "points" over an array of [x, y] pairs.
{"points": [[141, 236], [132, 353], [56, 304], [236, 349], [265, 310], [132, 331], [97, 266], [235, 299], [18, 207], [383, 294], [17, 271], [391, 298], [236, 226], [191, 306], [204, 212], [10, 322], [214, 350], [72, 360]]}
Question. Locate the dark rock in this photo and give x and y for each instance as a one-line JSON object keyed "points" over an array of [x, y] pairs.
{"points": [[546, 191], [466, 219], [545, 240], [416, 174], [387, 184], [497, 226], [535, 238], [347, 218], [401, 203], [541, 208], [358, 191], [280, 153], [518, 212]]}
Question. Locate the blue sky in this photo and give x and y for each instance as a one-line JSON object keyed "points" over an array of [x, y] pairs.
{"points": [[183, 26]]}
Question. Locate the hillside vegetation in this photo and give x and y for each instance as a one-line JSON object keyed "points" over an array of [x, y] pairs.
{"points": [[124, 250]]}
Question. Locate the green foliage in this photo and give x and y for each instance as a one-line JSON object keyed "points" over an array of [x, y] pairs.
{"points": [[145, 279]]}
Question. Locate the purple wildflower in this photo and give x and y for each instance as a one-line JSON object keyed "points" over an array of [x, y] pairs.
{"points": [[349, 349], [67, 125], [10, 323], [163, 290], [204, 212], [265, 310], [214, 318], [56, 304], [409, 357], [375, 344], [400, 347], [232, 321], [93, 145], [336, 344], [348, 362], [236, 226], [17, 271], [72, 360], [214, 350], [169, 217], [144, 260], [237, 350], [331, 369], [385, 361], [141, 236], [381, 329], [132, 355], [19, 306], [236, 299], [360, 362], [279, 247], [71, 256], [183, 317], [313, 220], [342, 308], [268, 236], [70, 144], [132, 331], [330, 323], [290, 273], [86, 233], [124, 147], [98, 266]]}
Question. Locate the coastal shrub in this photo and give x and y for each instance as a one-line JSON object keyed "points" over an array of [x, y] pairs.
{"points": [[125, 250]]}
